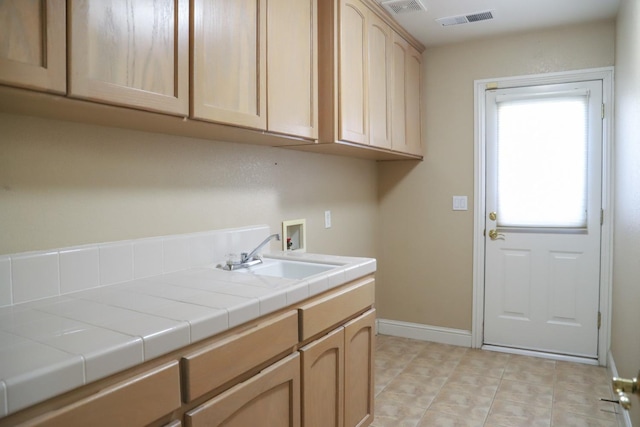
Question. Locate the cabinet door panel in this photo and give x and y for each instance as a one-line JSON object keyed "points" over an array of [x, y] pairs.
{"points": [[379, 81], [323, 381], [32, 44], [353, 104], [229, 62], [359, 337], [398, 111], [131, 53], [272, 398], [292, 67], [413, 99]]}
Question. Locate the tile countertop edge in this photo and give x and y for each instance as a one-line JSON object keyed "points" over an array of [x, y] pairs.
{"points": [[347, 269]]}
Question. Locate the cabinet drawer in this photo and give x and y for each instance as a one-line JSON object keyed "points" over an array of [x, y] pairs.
{"points": [[269, 398], [137, 401], [216, 364], [323, 313]]}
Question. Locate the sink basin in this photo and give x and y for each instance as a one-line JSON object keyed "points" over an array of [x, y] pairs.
{"points": [[287, 269]]}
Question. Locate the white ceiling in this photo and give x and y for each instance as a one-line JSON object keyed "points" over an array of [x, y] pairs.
{"points": [[509, 16]]}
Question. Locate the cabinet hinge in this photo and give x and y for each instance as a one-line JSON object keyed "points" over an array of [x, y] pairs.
{"points": [[599, 320], [601, 216], [603, 111]]}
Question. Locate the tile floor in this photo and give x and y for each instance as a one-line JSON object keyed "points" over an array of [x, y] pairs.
{"points": [[428, 384]]}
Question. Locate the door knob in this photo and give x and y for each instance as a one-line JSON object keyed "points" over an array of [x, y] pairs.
{"points": [[622, 386], [494, 235], [493, 216]]}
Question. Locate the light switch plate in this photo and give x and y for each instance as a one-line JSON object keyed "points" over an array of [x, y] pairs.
{"points": [[459, 203]]}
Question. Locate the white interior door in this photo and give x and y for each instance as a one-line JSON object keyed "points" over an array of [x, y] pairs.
{"points": [[543, 218]]}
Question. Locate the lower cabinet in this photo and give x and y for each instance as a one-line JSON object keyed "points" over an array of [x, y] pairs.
{"points": [[137, 401], [271, 398], [359, 368], [323, 381], [337, 376], [310, 366]]}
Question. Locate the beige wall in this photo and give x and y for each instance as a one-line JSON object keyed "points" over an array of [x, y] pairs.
{"points": [[625, 339], [426, 250], [64, 184]]}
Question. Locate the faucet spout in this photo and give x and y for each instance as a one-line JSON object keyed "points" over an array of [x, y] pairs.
{"points": [[244, 257]]}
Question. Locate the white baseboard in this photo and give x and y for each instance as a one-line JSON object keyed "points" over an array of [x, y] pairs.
{"points": [[624, 419], [422, 332]]}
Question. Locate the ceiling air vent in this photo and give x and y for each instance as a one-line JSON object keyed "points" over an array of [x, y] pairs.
{"points": [[396, 7], [465, 19]]}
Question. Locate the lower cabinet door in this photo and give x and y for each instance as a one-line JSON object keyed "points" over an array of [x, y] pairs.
{"points": [[359, 347], [323, 381], [270, 398]]}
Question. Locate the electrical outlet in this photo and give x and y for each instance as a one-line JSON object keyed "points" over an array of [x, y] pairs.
{"points": [[327, 219]]}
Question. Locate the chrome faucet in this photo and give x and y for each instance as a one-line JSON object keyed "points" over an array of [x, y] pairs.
{"points": [[249, 259]]}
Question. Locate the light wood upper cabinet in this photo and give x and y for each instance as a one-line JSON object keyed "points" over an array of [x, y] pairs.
{"points": [[406, 116], [359, 58], [400, 55], [354, 111], [271, 397], [130, 53], [379, 89], [413, 96], [229, 62], [32, 44], [292, 63]]}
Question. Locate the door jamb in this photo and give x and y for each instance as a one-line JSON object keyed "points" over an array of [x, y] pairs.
{"points": [[606, 75]]}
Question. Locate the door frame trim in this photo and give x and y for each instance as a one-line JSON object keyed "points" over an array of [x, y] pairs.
{"points": [[606, 253]]}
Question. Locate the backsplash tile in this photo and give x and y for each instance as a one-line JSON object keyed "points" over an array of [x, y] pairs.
{"points": [[30, 276], [175, 255], [147, 258], [202, 249], [5, 284], [79, 269], [35, 276], [116, 263]]}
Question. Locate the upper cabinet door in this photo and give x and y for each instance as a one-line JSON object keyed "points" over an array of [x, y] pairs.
{"points": [[353, 100], [400, 55], [229, 62], [292, 62], [32, 44], [380, 45], [405, 113], [413, 96], [131, 52]]}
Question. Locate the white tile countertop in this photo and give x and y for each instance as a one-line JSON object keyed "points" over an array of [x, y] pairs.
{"points": [[55, 344]]}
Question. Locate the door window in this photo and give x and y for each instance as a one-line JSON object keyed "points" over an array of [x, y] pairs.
{"points": [[542, 160]]}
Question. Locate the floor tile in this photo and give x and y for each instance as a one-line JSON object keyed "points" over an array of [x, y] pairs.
{"points": [[432, 419], [505, 413], [429, 384], [565, 419], [533, 394], [475, 406]]}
